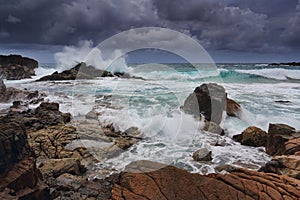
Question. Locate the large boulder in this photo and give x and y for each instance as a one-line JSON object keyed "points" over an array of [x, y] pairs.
{"points": [[252, 136], [16, 67], [149, 180], [282, 140], [208, 100]]}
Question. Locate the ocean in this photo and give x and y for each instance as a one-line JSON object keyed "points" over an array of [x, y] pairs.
{"points": [[267, 94]]}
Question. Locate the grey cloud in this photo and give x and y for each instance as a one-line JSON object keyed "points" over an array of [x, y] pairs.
{"points": [[4, 34], [217, 25], [292, 34], [13, 19]]}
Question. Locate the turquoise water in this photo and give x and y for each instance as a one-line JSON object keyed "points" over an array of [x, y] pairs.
{"points": [[153, 105]]}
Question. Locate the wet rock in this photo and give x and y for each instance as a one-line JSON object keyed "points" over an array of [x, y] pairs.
{"points": [[125, 143], [208, 100], [252, 136], [284, 165], [148, 180], [91, 115], [202, 154], [233, 109], [68, 186], [100, 188], [19, 106], [56, 167], [213, 128], [282, 140], [10, 94], [227, 168], [132, 131], [16, 67]]}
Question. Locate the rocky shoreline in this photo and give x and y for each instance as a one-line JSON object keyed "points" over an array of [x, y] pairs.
{"points": [[16, 67], [38, 158]]}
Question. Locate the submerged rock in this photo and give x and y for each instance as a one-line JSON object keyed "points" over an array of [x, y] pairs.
{"points": [[252, 136], [16, 67], [149, 180], [202, 154], [282, 101]]}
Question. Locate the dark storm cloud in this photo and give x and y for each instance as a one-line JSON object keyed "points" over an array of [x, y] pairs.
{"points": [[245, 25], [66, 22], [236, 25], [292, 34]]}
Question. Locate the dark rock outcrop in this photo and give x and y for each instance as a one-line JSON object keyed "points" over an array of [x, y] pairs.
{"points": [[47, 114], [252, 136], [80, 71], [284, 144], [11, 94], [282, 140], [148, 180], [208, 100], [288, 63], [83, 71], [233, 109], [16, 67], [19, 177], [13, 144], [30, 97]]}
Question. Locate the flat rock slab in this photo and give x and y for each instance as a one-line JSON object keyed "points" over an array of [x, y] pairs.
{"points": [[149, 180]]}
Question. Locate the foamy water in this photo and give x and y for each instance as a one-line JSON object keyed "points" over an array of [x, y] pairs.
{"points": [[153, 104]]}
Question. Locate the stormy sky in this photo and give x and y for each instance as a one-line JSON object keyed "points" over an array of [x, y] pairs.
{"points": [[230, 30]]}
